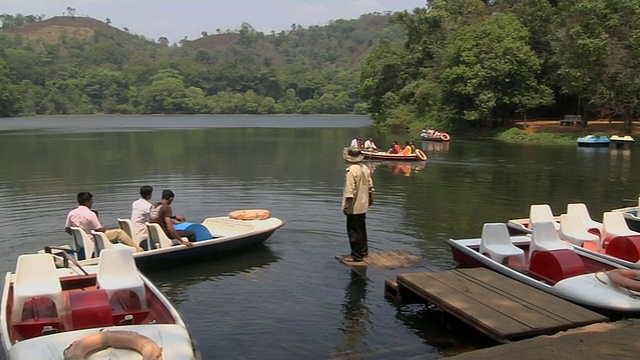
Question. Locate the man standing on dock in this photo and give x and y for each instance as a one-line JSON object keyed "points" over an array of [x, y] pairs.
{"points": [[357, 198]]}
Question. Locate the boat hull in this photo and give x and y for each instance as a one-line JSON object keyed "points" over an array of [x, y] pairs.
{"points": [[370, 155], [588, 290]]}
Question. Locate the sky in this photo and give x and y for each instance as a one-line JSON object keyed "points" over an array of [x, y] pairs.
{"points": [[178, 19]]}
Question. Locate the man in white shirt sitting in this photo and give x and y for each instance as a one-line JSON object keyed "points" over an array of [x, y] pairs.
{"points": [[140, 211], [370, 145]]}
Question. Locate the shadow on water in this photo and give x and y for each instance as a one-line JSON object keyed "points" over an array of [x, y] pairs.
{"points": [[174, 283]]}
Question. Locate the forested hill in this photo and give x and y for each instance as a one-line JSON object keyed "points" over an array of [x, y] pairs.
{"points": [[79, 65]]}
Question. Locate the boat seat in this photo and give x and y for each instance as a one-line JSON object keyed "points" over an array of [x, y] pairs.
{"points": [[83, 242], [157, 237], [496, 242], [139, 238], [545, 237], [540, 213], [117, 272], [35, 276], [573, 229], [88, 309], [581, 211], [102, 242], [614, 225]]}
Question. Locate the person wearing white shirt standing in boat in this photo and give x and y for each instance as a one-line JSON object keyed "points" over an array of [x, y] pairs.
{"points": [[140, 211], [370, 145]]}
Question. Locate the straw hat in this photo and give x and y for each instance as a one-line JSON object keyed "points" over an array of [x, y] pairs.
{"points": [[352, 155]]}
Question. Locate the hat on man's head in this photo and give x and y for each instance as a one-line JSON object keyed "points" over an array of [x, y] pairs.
{"points": [[352, 155]]}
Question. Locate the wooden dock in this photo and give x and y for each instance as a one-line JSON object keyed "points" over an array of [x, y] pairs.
{"points": [[502, 308]]}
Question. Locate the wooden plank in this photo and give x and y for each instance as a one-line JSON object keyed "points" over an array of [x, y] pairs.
{"points": [[552, 305], [485, 300], [467, 301]]}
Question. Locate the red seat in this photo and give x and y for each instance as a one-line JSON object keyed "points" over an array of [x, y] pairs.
{"points": [[40, 316], [625, 248], [555, 265], [89, 309]]}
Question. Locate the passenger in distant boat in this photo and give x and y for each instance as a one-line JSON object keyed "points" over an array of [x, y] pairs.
{"points": [[430, 132], [424, 132], [625, 278], [140, 210], [407, 149], [395, 148], [356, 142], [162, 214], [413, 146], [370, 145], [87, 219]]}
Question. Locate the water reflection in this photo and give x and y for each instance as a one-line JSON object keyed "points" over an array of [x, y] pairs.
{"points": [[174, 283], [441, 330], [406, 168], [620, 163], [355, 311], [435, 146]]}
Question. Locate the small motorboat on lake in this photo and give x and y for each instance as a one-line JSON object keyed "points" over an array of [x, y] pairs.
{"points": [[437, 136], [241, 230], [381, 155], [593, 141], [543, 261], [104, 311]]}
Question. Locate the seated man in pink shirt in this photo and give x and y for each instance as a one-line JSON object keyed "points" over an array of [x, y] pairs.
{"points": [[87, 219]]}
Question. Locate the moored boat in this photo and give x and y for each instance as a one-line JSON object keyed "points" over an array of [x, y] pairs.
{"points": [[104, 311], [594, 141], [544, 262], [624, 142], [241, 230]]}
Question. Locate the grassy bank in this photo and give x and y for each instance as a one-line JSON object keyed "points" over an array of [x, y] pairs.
{"points": [[515, 135]]}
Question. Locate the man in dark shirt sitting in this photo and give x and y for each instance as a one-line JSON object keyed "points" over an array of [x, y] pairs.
{"points": [[162, 215]]}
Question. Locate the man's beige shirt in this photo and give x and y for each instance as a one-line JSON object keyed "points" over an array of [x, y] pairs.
{"points": [[358, 185]]}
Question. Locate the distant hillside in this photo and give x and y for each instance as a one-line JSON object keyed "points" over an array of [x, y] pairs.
{"points": [[81, 28]]}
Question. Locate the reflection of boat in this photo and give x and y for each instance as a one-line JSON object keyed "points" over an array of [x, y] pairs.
{"points": [[398, 167], [433, 146], [624, 142], [174, 283], [215, 237], [105, 311], [381, 155], [593, 141], [544, 262]]}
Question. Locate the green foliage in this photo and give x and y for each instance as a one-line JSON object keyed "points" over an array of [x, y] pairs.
{"points": [[483, 63], [314, 70], [516, 135]]}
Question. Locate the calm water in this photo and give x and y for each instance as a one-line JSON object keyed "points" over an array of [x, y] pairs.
{"points": [[291, 299]]}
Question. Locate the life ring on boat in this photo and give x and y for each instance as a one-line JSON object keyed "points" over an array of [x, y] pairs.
{"points": [[421, 154], [131, 340], [252, 214], [445, 137]]}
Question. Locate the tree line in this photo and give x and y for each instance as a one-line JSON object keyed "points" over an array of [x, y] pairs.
{"points": [[311, 70], [472, 63]]}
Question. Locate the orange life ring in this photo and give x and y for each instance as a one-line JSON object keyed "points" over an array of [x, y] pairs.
{"points": [[445, 137], [421, 154], [132, 340], [252, 214]]}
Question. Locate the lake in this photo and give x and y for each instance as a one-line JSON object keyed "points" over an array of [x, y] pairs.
{"points": [[291, 298]]}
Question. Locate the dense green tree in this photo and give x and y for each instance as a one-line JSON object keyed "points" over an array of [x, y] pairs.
{"points": [[491, 71]]}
